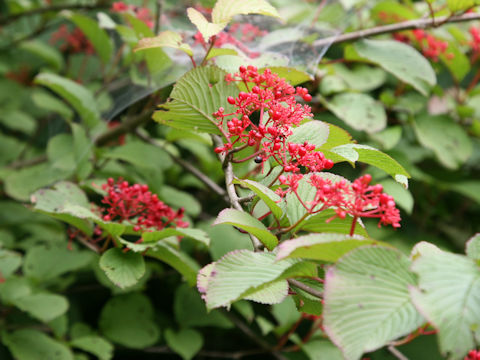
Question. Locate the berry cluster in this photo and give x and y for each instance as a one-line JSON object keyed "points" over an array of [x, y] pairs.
{"points": [[473, 355], [430, 46], [72, 42], [236, 34], [475, 43], [141, 13], [359, 199], [137, 205], [273, 99]]}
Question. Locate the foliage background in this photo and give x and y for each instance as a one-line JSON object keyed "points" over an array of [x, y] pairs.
{"points": [[84, 116]]}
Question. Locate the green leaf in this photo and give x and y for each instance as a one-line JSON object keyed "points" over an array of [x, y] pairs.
{"points": [[367, 303], [98, 36], [195, 234], [95, 345], [271, 199], [186, 342], [399, 59], [46, 101], [10, 261], [195, 97], [190, 311], [22, 183], [206, 28], [45, 263], [321, 349], [361, 78], [225, 10], [180, 199], [239, 274], [19, 120], [128, 320], [456, 61], [28, 344], [360, 111], [315, 132], [64, 201], [225, 238], [124, 269], [180, 261], [82, 152], [447, 139], [78, 96], [214, 52], [166, 38], [248, 223], [459, 5], [44, 307], [336, 137], [473, 247], [45, 52], [325, 247], [326, 221], [372, 156], [447, 295], [140, 154], [292, 75]]}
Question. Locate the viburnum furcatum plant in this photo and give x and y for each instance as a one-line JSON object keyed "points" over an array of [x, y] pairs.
{"points": [[257, 182]]}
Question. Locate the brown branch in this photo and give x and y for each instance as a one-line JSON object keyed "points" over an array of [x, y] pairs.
{"points": [[187, 166], [391, 28], [306, 288], [4, 20]]}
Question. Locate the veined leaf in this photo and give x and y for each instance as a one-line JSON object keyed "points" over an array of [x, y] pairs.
{"points": [[367, 302], [248, 223], [206, 28], [315, 132], [95, 345], [123, 269], [327, 221], [78, 96], [326, 247], [399, 59], [166, 38], [448, 295], [195, 97]]}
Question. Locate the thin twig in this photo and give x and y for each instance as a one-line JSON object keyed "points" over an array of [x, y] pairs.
{"points": [[4, 20], [187, 166], [386, 29], [158, 15], [244, 328], [306, 288], [395, 352]]}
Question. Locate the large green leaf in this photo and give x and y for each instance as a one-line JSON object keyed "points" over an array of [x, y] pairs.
{"points": [[29, 344], [45, 52], [128, 320], [195, 97], [448, 295], [367, 303], [98, 36], [10, 261], [248, 223], [166, 38], [458, 5], [124, 269], [44, 263], [195, 234], [372, 156], [140, 154], [44, 307], [186, 342], [271, 199], [447, 139], [95, 345], [360, 111], [326, 247], [239, 274], [400, 59], [78, 96], [315, 132], [327, 221]]}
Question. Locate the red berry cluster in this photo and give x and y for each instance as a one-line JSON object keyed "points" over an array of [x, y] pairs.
{"points": [[137, 205], [475, 43], [237, 34], [142, 13], [430, 46], [274, 100], [359, 199], [473, 355], [72, 42]]}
